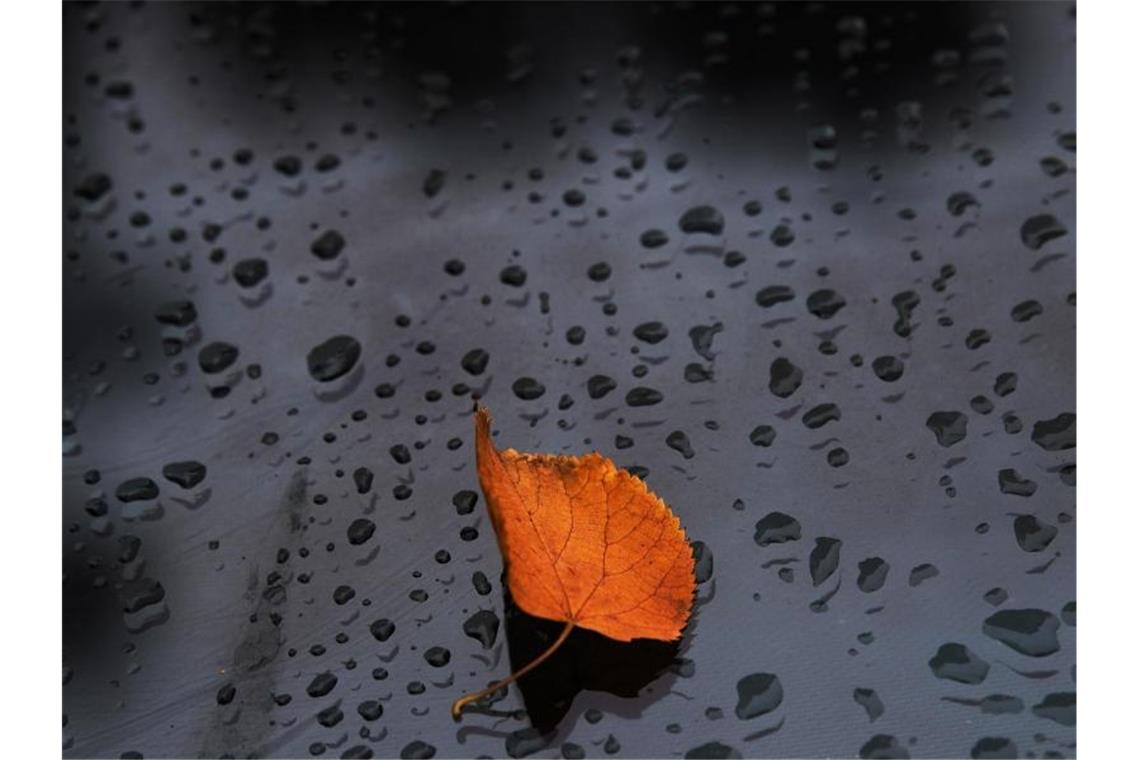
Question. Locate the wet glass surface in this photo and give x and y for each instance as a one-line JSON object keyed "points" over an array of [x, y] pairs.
{"points": [[806, 268]]}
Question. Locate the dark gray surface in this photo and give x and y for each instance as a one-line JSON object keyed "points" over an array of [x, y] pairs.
{"points": [[209, 80]]}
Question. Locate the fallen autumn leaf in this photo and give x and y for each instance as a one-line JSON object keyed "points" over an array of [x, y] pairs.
{"points": [[585, 543]]}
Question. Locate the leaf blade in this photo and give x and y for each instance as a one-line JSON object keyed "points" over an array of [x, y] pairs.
{"points": [[585, 542]]}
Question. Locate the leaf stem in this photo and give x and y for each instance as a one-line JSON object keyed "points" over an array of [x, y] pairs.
{"points": [[459, 704]]}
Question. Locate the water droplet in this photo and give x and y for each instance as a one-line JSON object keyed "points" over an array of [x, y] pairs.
{"points": [[334, 358], [702, 219]]}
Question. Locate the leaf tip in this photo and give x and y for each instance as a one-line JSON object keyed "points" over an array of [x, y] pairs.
{"points": [[482, 421]]}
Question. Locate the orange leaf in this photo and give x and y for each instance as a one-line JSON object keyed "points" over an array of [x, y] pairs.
{"points": [[586, 543]]}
